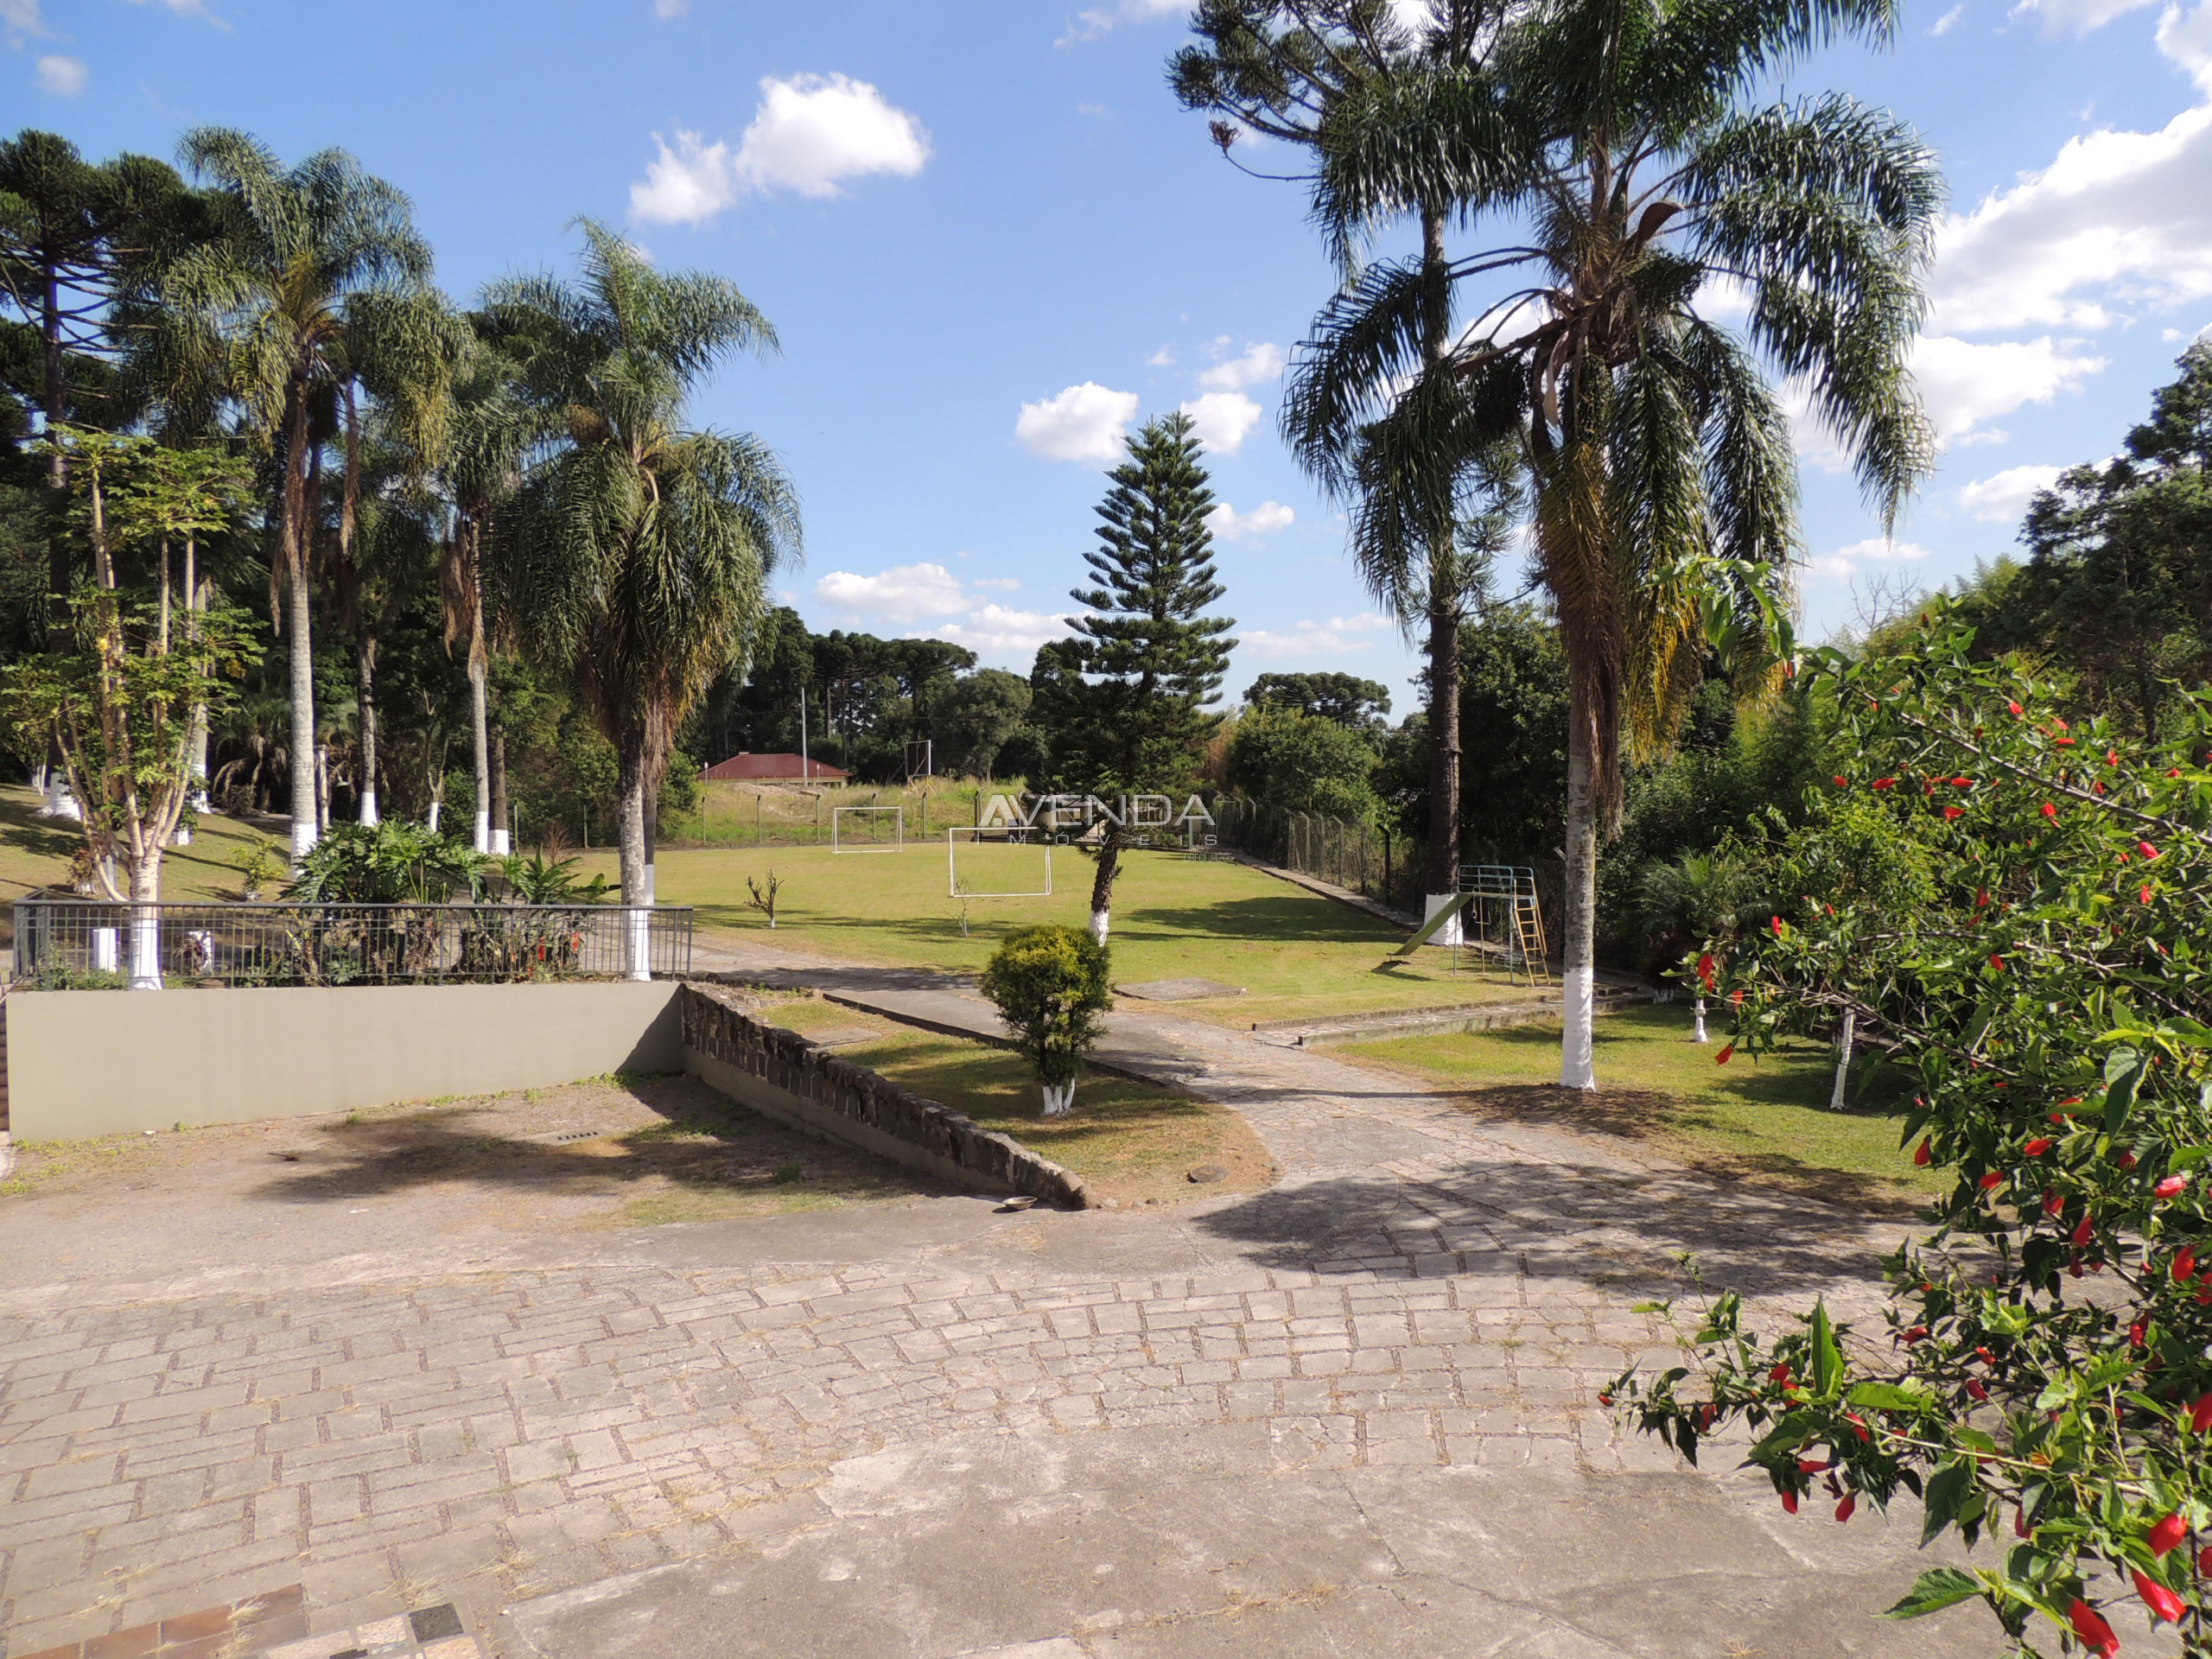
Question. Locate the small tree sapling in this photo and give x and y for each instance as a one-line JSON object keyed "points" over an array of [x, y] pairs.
{"points": [[1050, 983]]}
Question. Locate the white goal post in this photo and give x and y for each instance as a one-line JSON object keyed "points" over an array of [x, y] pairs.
{"points": [[993, 836], [840, 842]]}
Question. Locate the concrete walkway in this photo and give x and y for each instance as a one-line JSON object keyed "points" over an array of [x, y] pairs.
{"points": [[1353, 1413]]}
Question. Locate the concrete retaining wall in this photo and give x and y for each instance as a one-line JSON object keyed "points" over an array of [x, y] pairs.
{"points": [[780, 1073], [89, 1063]]}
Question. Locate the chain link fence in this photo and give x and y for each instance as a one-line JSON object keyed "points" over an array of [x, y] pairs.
{"points": [[73, 943], [1358, 857]]}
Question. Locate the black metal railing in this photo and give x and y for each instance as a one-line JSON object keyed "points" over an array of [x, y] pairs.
{"points": [[68, 944]]}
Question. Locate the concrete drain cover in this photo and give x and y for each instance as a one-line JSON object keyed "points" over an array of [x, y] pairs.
{"points": [[1178, 990], [842, 1036]]}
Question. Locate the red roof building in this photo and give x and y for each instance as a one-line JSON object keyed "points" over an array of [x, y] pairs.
{"points": [[774, 769]]}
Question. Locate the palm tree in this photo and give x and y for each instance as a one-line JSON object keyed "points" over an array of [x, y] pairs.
{"points": [[494, 426], [1424, 523], [1617, 144], [635, 556], [318, 270]]}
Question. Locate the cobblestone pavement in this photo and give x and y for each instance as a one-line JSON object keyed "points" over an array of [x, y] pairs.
{"points": [[534, 1429]]}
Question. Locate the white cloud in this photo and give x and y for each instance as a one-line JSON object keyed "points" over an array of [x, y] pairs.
{"points": [[2118, 219], [809, 134], [905, 593], [1162, 359], [1083, 423], [669, 10], [1849, 560], [1262, 361], [995, 630], [1310, 639], [63, 77], [2075, 16], [1948, 22], [2003, 497], [21, 18], [1222, 419], [189, 8], [1966, 384], [1265, 519], [1093, 21]]}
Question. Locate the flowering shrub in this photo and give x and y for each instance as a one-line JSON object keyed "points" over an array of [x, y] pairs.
{"points": [[2017, 907]]}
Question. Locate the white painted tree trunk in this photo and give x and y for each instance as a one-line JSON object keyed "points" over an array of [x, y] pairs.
{"points": [[1698, 1036], [369, 806], [637, 880], [306, 756], [59, 802], [1578, 979], [145, 949], [500, 847], [1102, 922], [1843, 1059], [480, 734], [436, 807], [1454, 932], [1060, 1099]]}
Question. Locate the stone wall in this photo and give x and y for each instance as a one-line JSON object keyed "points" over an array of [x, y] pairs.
{"points": [[781, 1074]]}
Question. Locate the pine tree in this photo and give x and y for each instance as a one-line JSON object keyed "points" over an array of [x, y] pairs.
{"points": [[1124, 703]]}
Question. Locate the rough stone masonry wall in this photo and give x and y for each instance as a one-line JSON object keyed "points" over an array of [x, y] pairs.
{"points": [[782, 1074]]}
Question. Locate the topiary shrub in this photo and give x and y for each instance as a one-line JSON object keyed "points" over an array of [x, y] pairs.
{"points": [[1050, 984]]}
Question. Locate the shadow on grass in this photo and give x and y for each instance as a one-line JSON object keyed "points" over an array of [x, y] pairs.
{"points": [[704, 1142], [23, 832]]}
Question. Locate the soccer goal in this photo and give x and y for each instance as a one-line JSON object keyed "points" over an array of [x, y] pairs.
{"points": [[997, 863], [872, 829]]}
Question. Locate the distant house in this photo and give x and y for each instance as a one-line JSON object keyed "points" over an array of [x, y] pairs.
{"points": [[774, 769]]}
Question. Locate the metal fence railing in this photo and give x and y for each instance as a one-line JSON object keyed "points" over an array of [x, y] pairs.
{"points": [[1359, 857], [67, 943]]}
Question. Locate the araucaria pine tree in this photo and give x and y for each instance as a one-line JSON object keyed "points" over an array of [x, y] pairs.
{"points": [[1125, 702]]}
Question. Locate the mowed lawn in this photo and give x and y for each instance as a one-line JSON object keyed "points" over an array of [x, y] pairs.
{"points": [[1766, 1122], [35, 853], [1297, 956], [1134, 1142]]}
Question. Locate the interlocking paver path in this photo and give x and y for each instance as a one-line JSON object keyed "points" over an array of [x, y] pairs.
{"points": [[1353, 1412]]}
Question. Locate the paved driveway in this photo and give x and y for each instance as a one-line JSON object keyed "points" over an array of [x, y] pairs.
{"points": [[1352, 1413]]}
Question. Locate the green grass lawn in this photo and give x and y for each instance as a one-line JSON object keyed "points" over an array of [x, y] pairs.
{"points": [[1766, 1122], [1296, 954], [35, 853], [1128, 1140]]}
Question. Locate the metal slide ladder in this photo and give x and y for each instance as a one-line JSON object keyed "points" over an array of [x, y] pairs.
{"points": [[1512, 889]]}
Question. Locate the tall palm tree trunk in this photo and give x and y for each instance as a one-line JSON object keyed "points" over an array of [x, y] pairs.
{"points": [[1578, 945], [364, 676], [295, 535], [480, 735], [1442, 875], [501, 839], [196, 598], [632, 841]]}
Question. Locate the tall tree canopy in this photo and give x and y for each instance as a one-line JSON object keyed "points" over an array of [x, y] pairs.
{"points": [[636, 555], [1617, 152], [1124, 703]]}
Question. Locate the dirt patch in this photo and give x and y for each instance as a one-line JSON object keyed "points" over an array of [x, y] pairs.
{"points": [[605, 1152]]}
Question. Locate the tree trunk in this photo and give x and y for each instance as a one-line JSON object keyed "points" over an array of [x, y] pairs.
{"points": [[1837, 1101], [637, 896], [1444, 598], [365, 676], [195, 601], [500, 839], [1578, 946], [1102, 887], [146, 920], [295, 537], [479, 736], [652, 838]]}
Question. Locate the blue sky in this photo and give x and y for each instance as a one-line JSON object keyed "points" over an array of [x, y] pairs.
{"points": [[988, 238]]}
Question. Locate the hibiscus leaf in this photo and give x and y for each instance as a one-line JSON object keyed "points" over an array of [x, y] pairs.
{"points": [[1938, 1587]]}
